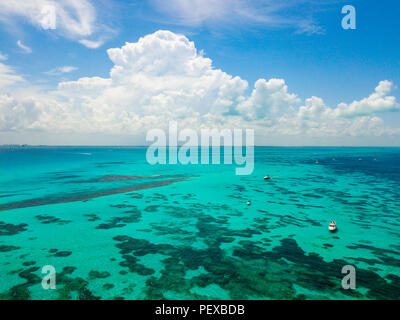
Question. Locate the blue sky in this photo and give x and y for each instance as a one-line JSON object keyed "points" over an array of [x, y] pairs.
{"points": [[301, 42]]}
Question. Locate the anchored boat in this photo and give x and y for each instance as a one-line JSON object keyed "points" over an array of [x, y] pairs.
{"points": [[332, 226]]}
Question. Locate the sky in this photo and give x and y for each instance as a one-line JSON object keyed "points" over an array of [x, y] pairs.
{"points": [[105, 72]]}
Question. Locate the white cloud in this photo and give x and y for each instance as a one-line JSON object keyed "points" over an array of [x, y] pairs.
{"points": [[267, 99], [356, 119], [74, 19], [8, 76], [284, 13], [67, 69], [91, 44], [61, 70], [163, 77], [24, 48], [3, 57], [18, 114], [379, 101]]}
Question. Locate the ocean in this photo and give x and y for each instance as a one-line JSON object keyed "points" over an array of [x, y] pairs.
{"points": [[115, 227]]}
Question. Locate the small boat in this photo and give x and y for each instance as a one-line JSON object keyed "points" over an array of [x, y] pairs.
{"points": [[267, 178], [248, 203], [317, 162], [332, 226]]}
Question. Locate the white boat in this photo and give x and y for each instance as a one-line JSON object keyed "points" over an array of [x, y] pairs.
{"points": [[267, 177], [248, 203], [332, 226]]}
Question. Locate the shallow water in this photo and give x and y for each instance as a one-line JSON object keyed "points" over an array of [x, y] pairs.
{"points": [[115, 227]]}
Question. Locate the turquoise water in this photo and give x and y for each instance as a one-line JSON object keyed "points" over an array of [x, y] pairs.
{"points": [[115, 227]]}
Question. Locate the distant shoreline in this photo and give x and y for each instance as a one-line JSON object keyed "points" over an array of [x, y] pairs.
{"points": [[143, 146]]}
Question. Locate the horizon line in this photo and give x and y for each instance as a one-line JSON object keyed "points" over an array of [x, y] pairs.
{"points": [[146, 146]]}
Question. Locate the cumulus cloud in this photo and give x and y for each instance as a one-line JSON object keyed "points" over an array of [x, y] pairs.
{"points": [[379, 101], [18, 114], [358, 118], [24, 48], [74, 19], [267, 99], [163, 77]]}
